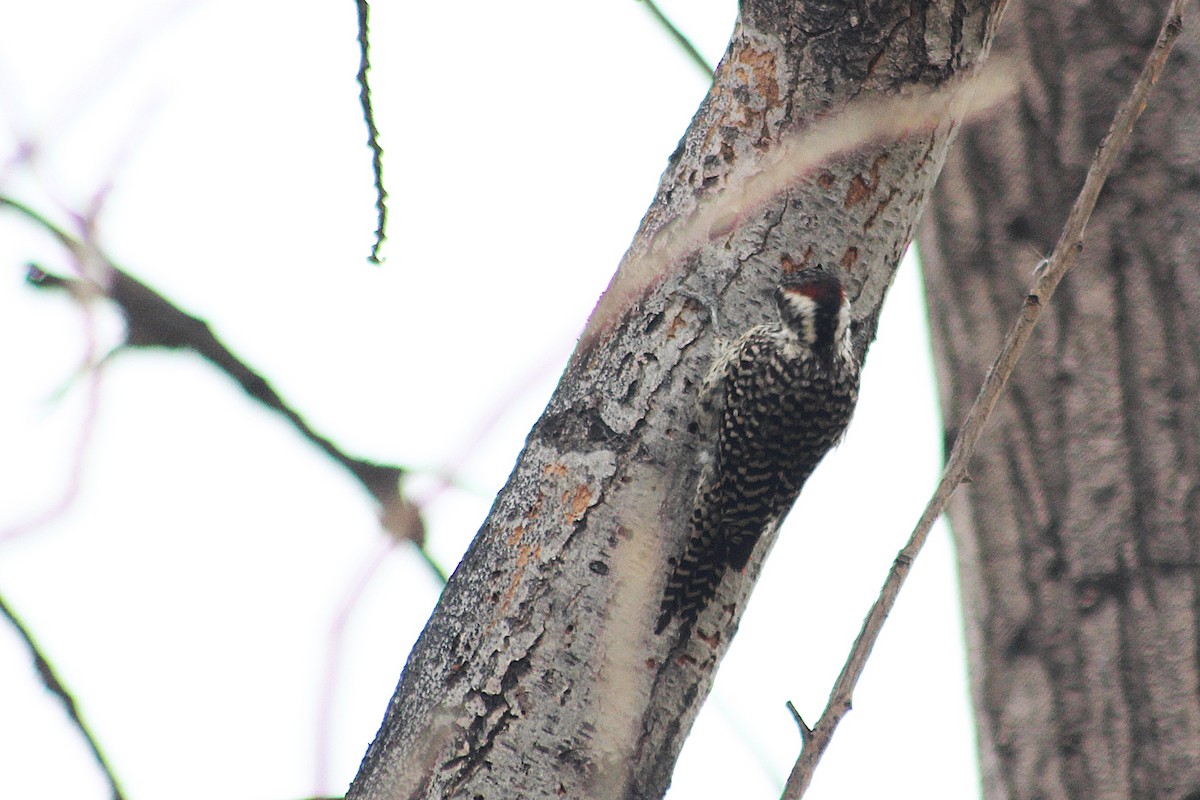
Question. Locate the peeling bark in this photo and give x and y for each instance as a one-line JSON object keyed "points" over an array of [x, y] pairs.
{"points": [[1079, 538], [539, 674]]}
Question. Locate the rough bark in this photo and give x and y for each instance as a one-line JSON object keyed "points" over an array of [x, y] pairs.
{"points": [[1079, 537], [539, 674]]}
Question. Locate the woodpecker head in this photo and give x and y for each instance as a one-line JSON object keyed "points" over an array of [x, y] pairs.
{"points": [[813, 306]]}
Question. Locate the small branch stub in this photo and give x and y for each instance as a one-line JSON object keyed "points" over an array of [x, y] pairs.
{"points": [[805, 731]]}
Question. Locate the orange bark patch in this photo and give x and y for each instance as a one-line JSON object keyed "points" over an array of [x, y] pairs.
{"points": [[747, 94], [555, 470], [863, 187], [516, 535], [788, 265], [762, 71], [859, 191], [676, 325], [576, 503], [879, 208], [517, 574], [849, 258]]}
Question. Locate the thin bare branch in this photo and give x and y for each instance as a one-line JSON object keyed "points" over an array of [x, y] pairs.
{"points": [[1065, 255], [368, 109], [54, 685], [684, 43], [153, 321]]}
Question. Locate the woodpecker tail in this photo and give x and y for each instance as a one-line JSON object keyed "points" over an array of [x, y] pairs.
{"points": [[693, 583]]}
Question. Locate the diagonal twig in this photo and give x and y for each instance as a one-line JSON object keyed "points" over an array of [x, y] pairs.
{"points": [[55, 686], [1050, 273], [684, 43]]}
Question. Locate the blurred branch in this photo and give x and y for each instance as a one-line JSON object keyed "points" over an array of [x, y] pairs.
{"points": [[1049, 273], [153, 321], [55, 686], [684, 43], [437, 569], [364, 97], [92, 368]]}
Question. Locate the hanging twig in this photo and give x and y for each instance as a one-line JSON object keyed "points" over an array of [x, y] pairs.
{"points": [[1049, 273], [368, 109]]}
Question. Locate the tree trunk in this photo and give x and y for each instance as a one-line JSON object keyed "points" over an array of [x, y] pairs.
{"points": [[539, 674], [1079, 536]]}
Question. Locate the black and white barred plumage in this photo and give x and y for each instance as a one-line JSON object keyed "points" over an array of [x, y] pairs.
{"points": [[782, 395]]}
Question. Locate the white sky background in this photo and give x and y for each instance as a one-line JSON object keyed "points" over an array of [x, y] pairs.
{"points": [[188, 594]]}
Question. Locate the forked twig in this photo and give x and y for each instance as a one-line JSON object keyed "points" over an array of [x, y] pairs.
{"points": [[154, 321], [1050, 273]]}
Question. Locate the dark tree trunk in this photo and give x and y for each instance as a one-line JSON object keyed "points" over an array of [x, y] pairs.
{"points": [[1079, 537]]}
